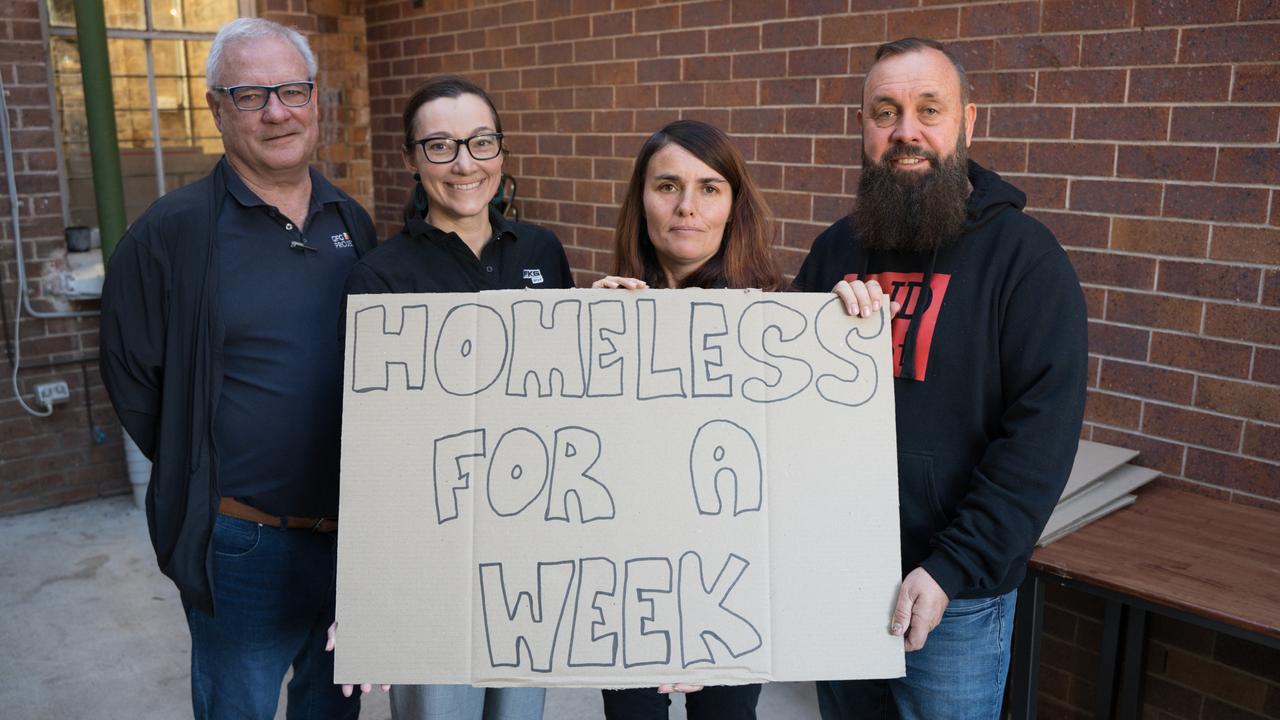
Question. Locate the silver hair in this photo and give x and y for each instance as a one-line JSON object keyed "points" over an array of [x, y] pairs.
{"points": [[253, 29]]}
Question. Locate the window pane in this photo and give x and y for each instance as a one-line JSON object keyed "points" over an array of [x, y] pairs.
{"points": [[128, 14], [196, 15], [191, 143]]}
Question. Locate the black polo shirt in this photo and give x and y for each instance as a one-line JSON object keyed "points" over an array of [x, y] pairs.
{"points": [[278, 421], [423, 258]]}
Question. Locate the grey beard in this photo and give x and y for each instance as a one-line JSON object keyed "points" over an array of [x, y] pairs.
{"points": [[897, 210]]}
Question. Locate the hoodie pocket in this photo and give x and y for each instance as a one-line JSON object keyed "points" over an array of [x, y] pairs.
{"points": [[918, 507]]}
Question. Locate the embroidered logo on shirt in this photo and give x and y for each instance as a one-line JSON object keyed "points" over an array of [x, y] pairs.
{"points": [[341, 240], [906, 288], [534, 276]]}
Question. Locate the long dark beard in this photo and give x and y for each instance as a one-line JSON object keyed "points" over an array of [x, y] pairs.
{"points": [[905, 211]]}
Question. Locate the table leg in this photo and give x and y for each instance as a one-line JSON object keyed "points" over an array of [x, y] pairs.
{"points": [[1108, 654], [1028, 620], [1135, 633]]}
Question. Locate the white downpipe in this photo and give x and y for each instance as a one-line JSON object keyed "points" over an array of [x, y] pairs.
{"points": [[139, 471]]}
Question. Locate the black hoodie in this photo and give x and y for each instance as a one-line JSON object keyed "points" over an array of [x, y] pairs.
{"points": [[989, 411]]}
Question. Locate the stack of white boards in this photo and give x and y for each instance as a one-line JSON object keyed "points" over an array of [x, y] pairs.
{"points": [[1101, 482]]}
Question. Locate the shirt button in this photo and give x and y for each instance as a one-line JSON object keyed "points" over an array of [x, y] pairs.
{"points": [[288, 226], [488, 268]]}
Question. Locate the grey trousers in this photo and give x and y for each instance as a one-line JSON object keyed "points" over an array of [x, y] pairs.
{"points": [[464, 702]]}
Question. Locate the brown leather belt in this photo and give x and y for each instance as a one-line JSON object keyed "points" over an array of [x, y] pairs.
{"points": [[236, 509]]}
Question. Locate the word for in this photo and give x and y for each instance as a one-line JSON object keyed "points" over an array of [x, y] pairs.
{"points": [[657, 612], [523, 466]]}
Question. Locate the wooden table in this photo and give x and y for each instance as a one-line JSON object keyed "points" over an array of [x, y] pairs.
{"points": [[1187, 556]]}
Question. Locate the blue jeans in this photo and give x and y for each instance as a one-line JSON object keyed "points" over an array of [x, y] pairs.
{"points": [[464, 702], [959, 673], [273, 598]]}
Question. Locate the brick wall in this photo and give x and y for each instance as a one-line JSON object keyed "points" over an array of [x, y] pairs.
{"points": [[75, 453], [1144, 134]]}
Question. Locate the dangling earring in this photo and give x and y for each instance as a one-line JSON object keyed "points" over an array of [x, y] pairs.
{"points": [[419, 196]]}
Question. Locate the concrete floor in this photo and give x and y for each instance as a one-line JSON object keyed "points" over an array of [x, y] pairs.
{"points": [[89, 628]]}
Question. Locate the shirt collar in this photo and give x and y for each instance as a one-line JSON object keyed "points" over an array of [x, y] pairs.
{"points": [[322, 191], [502, 228]]}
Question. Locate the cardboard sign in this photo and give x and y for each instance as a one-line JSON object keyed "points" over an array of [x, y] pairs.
{"points": [[613, 488]]}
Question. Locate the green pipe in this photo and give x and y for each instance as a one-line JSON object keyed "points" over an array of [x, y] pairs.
{"points": [[100, 115]]}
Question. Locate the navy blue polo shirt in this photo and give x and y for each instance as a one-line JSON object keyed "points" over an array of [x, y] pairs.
{"points": [[278, 422]]}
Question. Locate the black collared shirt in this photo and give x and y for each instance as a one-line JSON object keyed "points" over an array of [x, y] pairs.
{"points": [[278, 419], [423, 258]]}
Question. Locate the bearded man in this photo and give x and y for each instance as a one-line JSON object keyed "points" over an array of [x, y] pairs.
{"points": [[990, 357]]}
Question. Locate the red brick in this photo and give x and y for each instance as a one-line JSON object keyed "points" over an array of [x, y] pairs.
{"points": [[707, 67], [1148, 382], [1201, 354], [1030, 122], [1114, 410], [1209, 280], [636, 46], [1014, 18], [1262, 441], [790, 33], [759, 65], [1232, 471], [1112, 196], [1159, 237], [1118, 341], [688, 42], [1003, 157], [663, 17], [1122, 123], [1259, 165], [1254, 245], [703, 14], [815, 121], [734, 39], [1194, 84], [853, 29], [1042, 192], [1192, 426], [757, 120], [1243, 399], [1182, 12], [789, 206], [1139, 47], [660, 70], [840, 91], [1231, 44], [1256, 83], [974, 55], [1211, 124], [788, 92], [1166, 162], [1152, 452], [1007, 87], [937, 24], [801, 178], [1271, 288], [732, 94], [1215, 202], [1124, 271], [1075, 230], [749, 11], [864, 5], [1081, 86], [1070, 158], [802, 8], [1238, 322], [1155, 311], [1260, 10], [820, 61], [1037, 51], [1062, 15]]}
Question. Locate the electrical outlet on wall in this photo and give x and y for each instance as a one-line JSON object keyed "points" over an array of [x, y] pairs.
{"points": [[50, 393]]}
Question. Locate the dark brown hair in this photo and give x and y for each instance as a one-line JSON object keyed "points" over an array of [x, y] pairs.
{"points": [[743, 260], [914, 44], [445, 86]]}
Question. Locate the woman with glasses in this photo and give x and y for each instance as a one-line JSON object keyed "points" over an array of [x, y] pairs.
{"points": [[453, 240]]}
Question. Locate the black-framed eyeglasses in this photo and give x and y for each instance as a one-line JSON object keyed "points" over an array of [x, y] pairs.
{"points": [[440, 150], [255, 97]]}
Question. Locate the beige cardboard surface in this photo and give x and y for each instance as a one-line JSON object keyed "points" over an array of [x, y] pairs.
{"points": [[1093, 460], [613, 488], [1083, 504]]}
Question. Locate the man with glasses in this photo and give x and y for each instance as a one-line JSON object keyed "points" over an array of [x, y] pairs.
{"points": [[220, 352]]}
